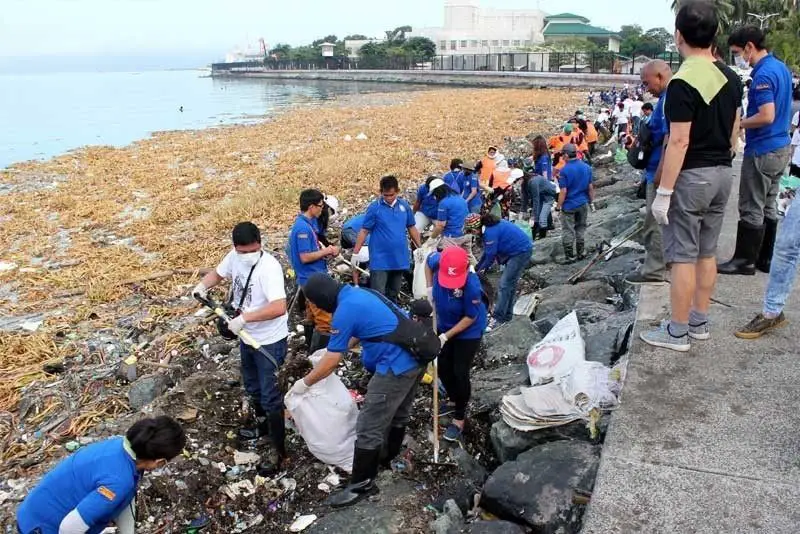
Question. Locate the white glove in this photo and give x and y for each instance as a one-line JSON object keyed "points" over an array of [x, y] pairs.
{"points": [[591, 207], [200, 290], [443, 338], [236, 324], [299, 387], [419, 256], [660, 206], [429, 294]]}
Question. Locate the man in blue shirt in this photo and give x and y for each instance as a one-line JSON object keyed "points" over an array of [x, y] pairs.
{"points": [[387, 220], [453, 178], [506, 243], [655, 77], [305, 253], [350, 231], [577, 192], [425, 206], [766, 154], [470, 185], [362, 315]]}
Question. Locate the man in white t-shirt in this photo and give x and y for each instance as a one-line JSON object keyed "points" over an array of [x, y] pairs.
{"points": [[635, 112], [258, 296]]}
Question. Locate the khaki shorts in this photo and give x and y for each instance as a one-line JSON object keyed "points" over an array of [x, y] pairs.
{"points": [[696, 213]]}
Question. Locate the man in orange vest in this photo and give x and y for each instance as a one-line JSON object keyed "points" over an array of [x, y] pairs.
{"points": [[488, 164], [591, 132]]}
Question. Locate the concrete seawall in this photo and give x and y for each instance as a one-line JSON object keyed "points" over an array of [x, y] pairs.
{"points": [[451, 78]]}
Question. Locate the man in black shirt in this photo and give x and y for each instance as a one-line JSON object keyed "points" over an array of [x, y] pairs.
{"points": [[702, 109]]}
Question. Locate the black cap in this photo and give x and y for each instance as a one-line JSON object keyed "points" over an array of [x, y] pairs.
{"points": [[322, 291]]}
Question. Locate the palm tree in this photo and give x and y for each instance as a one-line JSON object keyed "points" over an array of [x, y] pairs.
{"points": [[726, 9]]}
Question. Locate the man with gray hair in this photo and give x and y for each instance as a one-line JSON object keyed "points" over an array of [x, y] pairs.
{"points": [[655, 78]]}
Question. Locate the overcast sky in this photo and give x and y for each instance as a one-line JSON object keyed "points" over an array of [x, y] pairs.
{"points": [[192, 27]]}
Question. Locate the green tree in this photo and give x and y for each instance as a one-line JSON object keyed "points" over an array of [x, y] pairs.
{"points": [[327, 39], [356, 37], [661, 37], [305, 54], [420, 48], [281, 51], [398, 35]]}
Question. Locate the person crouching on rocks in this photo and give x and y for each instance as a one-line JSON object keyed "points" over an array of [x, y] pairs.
{"points": [[366, 316], [577, 193], [97, 485], [509, 245], [461, 322]]}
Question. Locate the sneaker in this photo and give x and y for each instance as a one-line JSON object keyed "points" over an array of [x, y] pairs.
{"points": [[492, 324], [452, 433], [660, 337], [759, 326], [699, 332], [640, 279], [446, 409]]}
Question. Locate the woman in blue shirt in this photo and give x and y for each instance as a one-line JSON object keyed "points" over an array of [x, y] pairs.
{"points": [[461, 321], [97, 484], [425, 205], [541, 188]]}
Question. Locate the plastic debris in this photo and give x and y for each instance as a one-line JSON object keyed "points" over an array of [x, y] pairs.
{"points": [[7, 266], [193, 187], [245, 458], [72, 446], [324, 487], [188, 415], [348, 138], [289, 484], [361, 137], [333, 479], [243, 488], [302, 523], [31, 326]]}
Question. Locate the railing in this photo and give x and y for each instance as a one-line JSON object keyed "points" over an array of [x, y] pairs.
{"points": [[564, 62]]}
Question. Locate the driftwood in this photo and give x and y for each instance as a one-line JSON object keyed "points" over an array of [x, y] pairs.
{"points": [[139, 280]]}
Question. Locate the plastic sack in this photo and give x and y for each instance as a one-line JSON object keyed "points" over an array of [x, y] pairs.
{"points": [[326, 418], [419, 285], [362, 256], [621, 155], [558, 353]]}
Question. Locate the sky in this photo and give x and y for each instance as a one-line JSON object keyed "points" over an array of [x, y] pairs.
{"points": [[195, 29]]}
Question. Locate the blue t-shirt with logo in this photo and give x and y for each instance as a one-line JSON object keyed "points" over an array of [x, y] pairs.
{"points": [[772, 84], [427, 202], [502, 241], [468, 183], [543, 166], [355, 224], [575, 177], [452, 305], [303, 239], [99, 480], [453, 180], [453, 210], [363, 315], [658, 130], [388, 250]]}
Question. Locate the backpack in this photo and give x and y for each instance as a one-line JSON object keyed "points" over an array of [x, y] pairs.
{"points": [[641, 149], [416, 337]]}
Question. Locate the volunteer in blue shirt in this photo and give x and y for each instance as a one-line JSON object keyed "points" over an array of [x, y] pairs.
{"points": [[454, 178], [363, 315], [425, 206], [509, 245], [350, 231], [305, 253], [387, 220], [577, 192], [542, 190], [656, 75], [461, 322], [470, 185], [767, 151], [451, 213], [97, 485]]}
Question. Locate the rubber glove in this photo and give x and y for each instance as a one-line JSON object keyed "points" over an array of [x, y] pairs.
{"points": [[200, 290], [299, 387], [429, 294], [236, 324], [660, 206], [443, 338]]}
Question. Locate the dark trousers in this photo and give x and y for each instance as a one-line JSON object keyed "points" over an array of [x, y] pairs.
{"points": [[573, 226], [507, 290], [794, 170], [258, 374], [455, 361], [387, 283], [387, 404]]}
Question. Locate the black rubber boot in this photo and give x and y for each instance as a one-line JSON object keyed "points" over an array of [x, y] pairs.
{"points": [[579, 246], [550, 222], [569, 254], [260, 427], [393, 445], [542, 233], [767, 245], [362, 482], [748, 245], [277, 454]]}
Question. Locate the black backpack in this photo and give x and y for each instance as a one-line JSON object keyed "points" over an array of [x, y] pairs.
{"points": [[642, 147], [416, 337]]}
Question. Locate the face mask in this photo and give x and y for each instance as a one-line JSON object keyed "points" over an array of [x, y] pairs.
{"points": [[250, 258], [741, 62]]}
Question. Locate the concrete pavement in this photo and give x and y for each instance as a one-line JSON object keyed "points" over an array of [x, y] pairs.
{"points": [[707, 441]]}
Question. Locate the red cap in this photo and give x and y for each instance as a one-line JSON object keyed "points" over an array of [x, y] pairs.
{"points": [[453, 268]]}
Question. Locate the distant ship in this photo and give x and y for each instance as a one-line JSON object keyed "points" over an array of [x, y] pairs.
{"points": [[237, 55]]}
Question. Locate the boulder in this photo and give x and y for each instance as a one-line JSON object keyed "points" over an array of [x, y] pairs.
{"points": [[511, 341], [537, 488], [546, 250], [488, 387], [593, 312], [509, 443], [450, 522], [147, 389], [608, 339], [494, 527], [560, 300], [469, 466]]}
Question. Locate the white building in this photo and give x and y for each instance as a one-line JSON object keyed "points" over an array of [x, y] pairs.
{"points": [[353, 46], [327, 49], [469, 29]]}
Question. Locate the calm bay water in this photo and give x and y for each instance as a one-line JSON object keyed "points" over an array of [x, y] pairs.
{"points": [[42, 115]]}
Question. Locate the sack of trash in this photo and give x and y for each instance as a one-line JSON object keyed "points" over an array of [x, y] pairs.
{"points": [[326, 418], [419, 285], [558, 353]]}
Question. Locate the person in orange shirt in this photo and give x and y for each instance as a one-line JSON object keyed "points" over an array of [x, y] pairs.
{"points": [[488, 163], [589, 131]]}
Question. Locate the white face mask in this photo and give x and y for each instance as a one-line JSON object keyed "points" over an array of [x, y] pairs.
{"points": [[249, 259], [741, 62]]}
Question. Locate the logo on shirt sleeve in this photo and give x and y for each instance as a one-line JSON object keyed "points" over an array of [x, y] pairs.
{"points": [[403, 209], [302, 236], [107, 493]]}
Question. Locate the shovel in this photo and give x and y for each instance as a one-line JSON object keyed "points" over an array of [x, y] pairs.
{"points": [[244, 335]]}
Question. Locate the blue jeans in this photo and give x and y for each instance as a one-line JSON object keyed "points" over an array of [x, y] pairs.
{"points": [[540, 190], [784, 261], [506, 293], [258, 374]]}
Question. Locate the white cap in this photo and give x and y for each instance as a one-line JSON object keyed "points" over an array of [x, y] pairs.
{"points": [[333, 203], [516, 174], [436, 184]]}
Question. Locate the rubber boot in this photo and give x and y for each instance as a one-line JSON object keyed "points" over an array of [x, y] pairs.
{"points": [[393, 445], [277, 454], [542, 233], [362, 481], [579, 246], [767, 245], [748, 245], [569, 254], [550, 222], [261, 427]]}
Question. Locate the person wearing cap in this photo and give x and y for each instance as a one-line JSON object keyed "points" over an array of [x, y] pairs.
{"points": [[509, 245], [453, 210], [425, 206], [387, 220], [471, 187], [577, 192], [350, 230], [461, 322], [306, 254], [365, 316], [454, 177]]}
